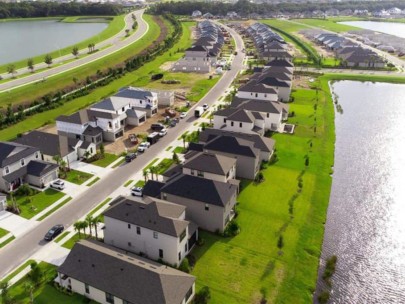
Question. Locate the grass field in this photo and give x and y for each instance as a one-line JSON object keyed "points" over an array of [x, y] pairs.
{"points": [[55, 208], [3, 232], [116, 24], [30, 206], [106, 160], [77, 177], [327, 24], [249, 267], [164, 165]]}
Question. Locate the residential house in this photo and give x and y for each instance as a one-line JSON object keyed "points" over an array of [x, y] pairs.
{"points": [[140, 100], [53, 145], [22, 164], [108, 275], [196, 14], [152, 228], [196, 59]]}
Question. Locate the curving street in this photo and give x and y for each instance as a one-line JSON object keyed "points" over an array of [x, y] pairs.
{"points": [[25, 246], [117, 45]]}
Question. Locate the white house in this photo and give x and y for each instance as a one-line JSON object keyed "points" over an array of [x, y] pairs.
{"points": [[151, 228], [107, 275]]}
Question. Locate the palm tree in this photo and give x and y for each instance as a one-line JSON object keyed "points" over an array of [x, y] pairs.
{"points": [[84, 225], [89, 221], [29, 287], [95, 222], [154, 170], [184, 136], [78, 227], [145, 174], [30, 64], [57, 159]]}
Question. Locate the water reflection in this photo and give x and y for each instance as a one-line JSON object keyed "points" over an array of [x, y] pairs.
{"points": [[391, 28], [366, 216]]}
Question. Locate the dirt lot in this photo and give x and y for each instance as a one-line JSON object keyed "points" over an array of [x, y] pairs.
{"points": [[301, 82], [321, 50]]}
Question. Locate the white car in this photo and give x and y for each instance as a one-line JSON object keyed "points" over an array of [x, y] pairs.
{"points": [[183, 115], [143, 146], [136, 191], [162, 132], [58, 184], [205, 106]]}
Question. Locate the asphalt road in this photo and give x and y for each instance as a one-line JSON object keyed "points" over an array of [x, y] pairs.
{"points": [[24, 247], [118, 44]]}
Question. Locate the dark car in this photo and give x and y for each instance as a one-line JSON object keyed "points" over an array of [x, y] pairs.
{"points": [[130, 156], [54, 232], [157, 127]]}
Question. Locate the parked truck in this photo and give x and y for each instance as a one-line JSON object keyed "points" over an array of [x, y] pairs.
{"points": [[153, 138], [198, 111]]}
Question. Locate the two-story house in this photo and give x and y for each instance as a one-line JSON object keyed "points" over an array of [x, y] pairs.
{"points": [[22, 164], [153, 228], [107, 275], [140, 100], [196, 60]]}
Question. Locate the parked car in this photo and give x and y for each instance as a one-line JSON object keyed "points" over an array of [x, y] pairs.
{"points": [[163, 132], [130, 156], [173, 123], [183, 115], [136, 191], [157, 127], [143, 146], [53, 232], [58, 184], [205, 106]]}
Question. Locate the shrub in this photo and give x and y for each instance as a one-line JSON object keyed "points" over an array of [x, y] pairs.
{"points": [[24, 190], [201, 242], [323, 298], [232, 229], [185, 266], [259, 177], [307, 161], [203, 296], [280, 242]]}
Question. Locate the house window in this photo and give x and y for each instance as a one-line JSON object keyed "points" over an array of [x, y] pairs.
{"points": [[265, 95], [224, 120], [164, 196], [87, 288], [200, 173], [91, 150], [183, 235], [155, 235], [185, 247], [189, 294], [109, 298], [231, 123], [179, 256], [140, 101], [129, 244], [109, 124], [138, 230], [207, 207], [161, 253], [240, 125], [268, 115], [22, 162], [36, 154], [192, 172], [7, 170], [129, 226], [123, 109]]}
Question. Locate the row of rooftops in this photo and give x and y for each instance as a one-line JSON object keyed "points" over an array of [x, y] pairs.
{"points": [[210, 38]]}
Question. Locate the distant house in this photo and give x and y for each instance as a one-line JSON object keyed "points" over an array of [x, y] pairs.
{"points": [[22, 164], [208, 16], [106, 274], [52, 145], [196, 14], [196, 59]]}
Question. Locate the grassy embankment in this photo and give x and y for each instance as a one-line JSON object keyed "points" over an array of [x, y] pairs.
{"points": [[250, 266], [116, 24], [60, 81]]}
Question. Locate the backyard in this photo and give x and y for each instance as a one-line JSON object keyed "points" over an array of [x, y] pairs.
{"points": [[292, 203]]}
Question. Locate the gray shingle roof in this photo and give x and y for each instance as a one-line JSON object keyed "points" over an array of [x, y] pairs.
{"points": [[279, 62], [92, 131], [48, 143], [112, 103], [209, 162], [153, 214], [79, 117], [200, 189], [126, 276], [258, 105], [232, 145], [12, 152], [40, 168], [152, 188], [134, 93]]}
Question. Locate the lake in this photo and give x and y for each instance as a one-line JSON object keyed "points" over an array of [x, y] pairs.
{"points": [[391, 28], [365, 226], [24, 39]]}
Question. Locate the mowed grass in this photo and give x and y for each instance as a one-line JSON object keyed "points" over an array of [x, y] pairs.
{"points": [[327, 24], [77, 177], [3, 232], [106, 160], [37, 90], [72, 106], [249, 267], [116, 24]]}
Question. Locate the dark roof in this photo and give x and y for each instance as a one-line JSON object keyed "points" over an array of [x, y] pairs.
{"points": [[280, 62], [79, 117], [40, 168], [209, 162], [155, 214], [11, 152], [173, 171], [93, 114], [260, 142], [48, 143], [258, 105], [200, 189], [152, 188], [92, 131], [136, 93], [232, 145], [113, 103], [126, 276], [192, 146], [254, 87]]}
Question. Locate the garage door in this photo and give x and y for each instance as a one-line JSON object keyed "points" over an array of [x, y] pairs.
{"points": [[49, 178]]}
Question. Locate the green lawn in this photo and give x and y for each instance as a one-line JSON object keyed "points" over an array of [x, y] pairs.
{"points": [[328, 24], [119, 163], [151, 164], [106, 160], [179, 149], [77, 177], [164, 165], [128, 183], [55, 208], [72, 241], [7, 241], [249, 267], [17, 271], [3, 232], [106, 201], [140, 183], [60, 237], [45, 293], [93, 182], [32, 205], [116, 23]]}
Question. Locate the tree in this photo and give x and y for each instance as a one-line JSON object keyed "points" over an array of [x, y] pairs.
{"points": [[35, 274], [29, 287], [75, 51], [77, 227], [89, 46], [203, 296], [145, 174], [4, 293], [127, 32], [11, 70], [89, 221], [48, 60], [86, 154], [96, 220], [183, 137], [13, 203], [83, 225], [102, 149], [57, 159], [30, 64], [176, 158]]}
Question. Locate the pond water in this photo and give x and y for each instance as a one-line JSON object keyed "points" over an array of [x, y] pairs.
{"points": [[365, 227], [391, 28], [24, 39]]}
